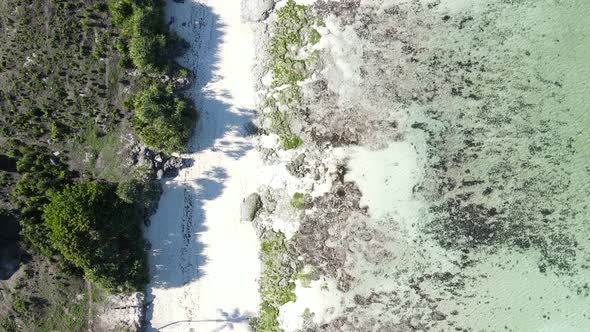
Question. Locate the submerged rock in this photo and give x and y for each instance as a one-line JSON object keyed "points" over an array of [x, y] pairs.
{"points": [[250, 207]]}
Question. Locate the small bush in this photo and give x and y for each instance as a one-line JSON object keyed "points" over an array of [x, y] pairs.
{"points": [[8, 324], [20, 306], [5, 178], [148, 53], [144, 194], [298, 200], [121, 11], [291, 142], [162, 120]]}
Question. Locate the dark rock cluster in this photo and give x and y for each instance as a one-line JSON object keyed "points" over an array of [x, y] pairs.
{"points": [[161, 164]]}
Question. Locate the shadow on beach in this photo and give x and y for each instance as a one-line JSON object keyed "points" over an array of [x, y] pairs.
{"points": [[226, 321], [176, 253]]}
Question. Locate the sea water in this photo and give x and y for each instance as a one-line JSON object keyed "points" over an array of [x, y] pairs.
{"points": [[486, 199]]}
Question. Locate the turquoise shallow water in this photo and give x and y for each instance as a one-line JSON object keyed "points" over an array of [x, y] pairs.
{"points": [[513, 147], [505, 172]]}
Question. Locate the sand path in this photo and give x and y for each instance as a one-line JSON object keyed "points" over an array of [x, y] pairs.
{"points": [[203, 260]]}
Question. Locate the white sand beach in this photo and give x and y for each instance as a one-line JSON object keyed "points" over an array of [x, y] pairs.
{"points": [[203, 259]]}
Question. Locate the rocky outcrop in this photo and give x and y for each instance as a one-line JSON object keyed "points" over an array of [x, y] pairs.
{"points": [[162, 165]]}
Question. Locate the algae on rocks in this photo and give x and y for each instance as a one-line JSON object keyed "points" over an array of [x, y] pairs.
{"points": [[291, 59]]}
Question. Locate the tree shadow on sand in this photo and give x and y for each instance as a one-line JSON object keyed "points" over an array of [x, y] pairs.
{"points": [[225, 322], [177, 258], [217, 116], [194, 194], [176, 253]]}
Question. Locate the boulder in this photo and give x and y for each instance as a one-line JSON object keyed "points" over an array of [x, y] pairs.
{"points": [[172, 166], [250, 207], [173, 163], [183, 83]]}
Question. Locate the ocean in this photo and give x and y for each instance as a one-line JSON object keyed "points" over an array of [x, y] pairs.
{"points": [[484, 200]]}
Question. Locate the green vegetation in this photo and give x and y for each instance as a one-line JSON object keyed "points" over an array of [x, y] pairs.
{"points": [[86, 223], [100, 154], [86, 227], [58, 69], [67, 97], [314, 36], [141, 189], [276, 283], [292, 31], [162, 120], [96, 231], [147, 40], [5, 179], [307, 314], [50, 300], [298, 200], [41, 175]]}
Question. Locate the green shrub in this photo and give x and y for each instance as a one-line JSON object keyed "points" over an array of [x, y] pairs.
{"points": [[267, 321], [8, 324], [129, 191], [145, 194], [5, 179], [162, 120], [273, 289], [298, 200], [147, 20], [148, 53], [54, 131], [41, 175], [20, 306], [291, 141], [142, 23], [99, 233], [121, 12]]}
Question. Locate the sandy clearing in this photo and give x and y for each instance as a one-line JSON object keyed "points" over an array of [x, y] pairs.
{"points": [[203, 260]]}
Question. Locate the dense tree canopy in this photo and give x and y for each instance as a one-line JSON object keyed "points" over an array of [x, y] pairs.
{"points": [[96, 231]]}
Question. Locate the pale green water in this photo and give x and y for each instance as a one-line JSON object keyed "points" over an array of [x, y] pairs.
{"points": [[506, 173]]}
